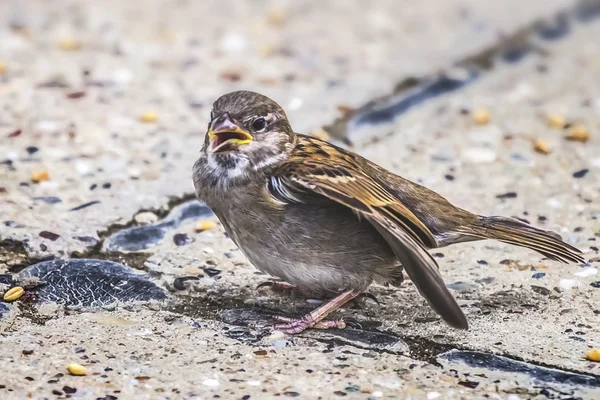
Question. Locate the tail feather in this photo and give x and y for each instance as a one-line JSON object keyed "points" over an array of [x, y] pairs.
{"points": [[513, 231]]}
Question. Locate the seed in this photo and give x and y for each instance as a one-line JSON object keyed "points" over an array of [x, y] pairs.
{"points": [[149, 117], [14, 293], [593, 355], [69, 45], [41, 175], [541, 146], [556, 121], [481, 116], [276, 17], [205, 225], [578, 133], [76, 369]]}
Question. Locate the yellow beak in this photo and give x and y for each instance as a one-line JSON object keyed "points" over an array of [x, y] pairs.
{"points": [[224, 134]]}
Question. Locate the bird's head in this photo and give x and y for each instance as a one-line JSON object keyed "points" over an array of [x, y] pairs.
{"points": [[247, 132]]}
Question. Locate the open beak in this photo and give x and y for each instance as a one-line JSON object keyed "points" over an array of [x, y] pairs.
{"points": [[225, 134]]}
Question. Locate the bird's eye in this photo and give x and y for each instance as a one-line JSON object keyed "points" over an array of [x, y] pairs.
{"points": [[259, 124]]}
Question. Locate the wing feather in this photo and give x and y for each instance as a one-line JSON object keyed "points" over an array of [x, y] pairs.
{"points": [[335, 174]]}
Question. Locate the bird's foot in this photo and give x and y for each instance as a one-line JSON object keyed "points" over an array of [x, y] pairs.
{"points": [[276, 286], [296, 325]]}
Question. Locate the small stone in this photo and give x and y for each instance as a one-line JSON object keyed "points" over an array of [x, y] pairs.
{"points": [[587, 271], [14, 293], [31, 150], [181, 239], [233, 42], [481, 116], [40, 175], [145, 218], [69, 45], [578, 133], [581, 173], [149, 117], [3, 68], [211, 382], [593, 355], [507, 195], [77, 369], [567, 284], [211, 272], [541, 146], [276, 335], [205, 225], [49, 235], [556, 121], [479, 155], [538, 275]]}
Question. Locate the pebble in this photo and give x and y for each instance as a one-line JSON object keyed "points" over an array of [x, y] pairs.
{"points": [[40, 175], [181, 239], [581, 173], [211, 382], [233, 42], [479, 156], [3, 68], [49, 235], [83, 167], [578, 133], [145, 218], [538, 275], [433, 395], [556, 121], [14, 293], [554, 203], [280, 344], [541, 146], [567, 284], [205, 225], [593, 355], [481, 116], [77, 369], [276, 335], [149, 117], [587, 271]]}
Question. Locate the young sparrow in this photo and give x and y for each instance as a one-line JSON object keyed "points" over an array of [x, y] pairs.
{"points": [[330, 222]]}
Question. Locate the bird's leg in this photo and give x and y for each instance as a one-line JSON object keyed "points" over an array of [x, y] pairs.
{"points": [[314, 319], [276, 286]]}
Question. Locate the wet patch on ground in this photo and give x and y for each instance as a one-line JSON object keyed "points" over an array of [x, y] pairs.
{"points": [[415, 91], [139, 238], [90, 283]]}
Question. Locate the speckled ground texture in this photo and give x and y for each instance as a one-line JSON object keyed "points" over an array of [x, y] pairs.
{"points": [[110, 99]]}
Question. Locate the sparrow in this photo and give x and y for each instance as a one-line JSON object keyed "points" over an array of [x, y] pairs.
{"points": [[331, 222]]}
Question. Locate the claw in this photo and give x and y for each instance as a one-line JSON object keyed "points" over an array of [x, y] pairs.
{"points": [[353, 323], [369, 296], [276, 286]]}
